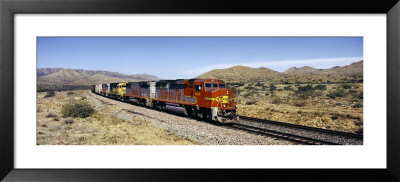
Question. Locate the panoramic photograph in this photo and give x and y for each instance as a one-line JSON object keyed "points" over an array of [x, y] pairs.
{"points": [[199, 91]]}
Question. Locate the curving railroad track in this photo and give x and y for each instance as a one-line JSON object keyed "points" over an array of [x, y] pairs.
{"points": [[297, 133]]}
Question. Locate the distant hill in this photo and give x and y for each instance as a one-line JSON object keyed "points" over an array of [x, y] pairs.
{"points": [[241, 73], [61, 76], [304, 74], [302, 70], [354, 68]]}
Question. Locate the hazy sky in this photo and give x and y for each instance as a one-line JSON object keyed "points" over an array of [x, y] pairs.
{"points": [[188, 57]]}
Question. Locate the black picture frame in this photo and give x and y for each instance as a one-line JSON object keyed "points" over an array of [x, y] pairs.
{"points": [[8, 8]]}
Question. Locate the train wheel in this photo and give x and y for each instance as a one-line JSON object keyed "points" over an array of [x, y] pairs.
{"points": [[189, 112], [207, 116]]}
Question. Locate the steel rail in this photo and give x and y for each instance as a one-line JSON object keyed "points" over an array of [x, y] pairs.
{"points": [[280, 135], [289, 125]]}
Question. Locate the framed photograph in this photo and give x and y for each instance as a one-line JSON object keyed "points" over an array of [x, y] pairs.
{"points": [[159, 90]]}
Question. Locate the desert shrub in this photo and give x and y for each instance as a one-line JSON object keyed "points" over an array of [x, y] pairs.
{"points": [[320, 87], [352, 91], [80, 109], [50, 94], [300, 102], [248, 94], [352, 117], [277, 101], [307, 88], [288, 87], [259, 84], [337, 93], [359, 95], [251, 102], [272, 87], [357, 105], [70, 93], [69, 121], [346, 86], [279, 89], [239, 84], [305, 92], [51, 115], [236, 91], [335, 116], [358, 122]]}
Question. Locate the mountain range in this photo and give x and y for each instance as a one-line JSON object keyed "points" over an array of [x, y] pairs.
{"points": [[80, 77], [61, 76], [243, 73]]}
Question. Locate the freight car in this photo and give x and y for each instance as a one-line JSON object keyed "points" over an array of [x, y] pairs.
{"points": [[97, 88], [92, 88], [104, 89], [208, 99]]}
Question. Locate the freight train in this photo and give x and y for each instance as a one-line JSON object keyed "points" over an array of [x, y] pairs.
{"points": [[208, 99]]}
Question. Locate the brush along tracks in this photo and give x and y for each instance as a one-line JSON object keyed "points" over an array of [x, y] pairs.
{"points": [[297, 133]]}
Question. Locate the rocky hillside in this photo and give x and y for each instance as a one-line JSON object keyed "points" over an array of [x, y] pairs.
{"points": [[306, 74], [354, 68], [61, 76], [302, 70], [241, 73]]}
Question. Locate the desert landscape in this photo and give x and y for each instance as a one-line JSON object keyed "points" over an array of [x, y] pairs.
{"points": [[324, 98], [73, 118]]}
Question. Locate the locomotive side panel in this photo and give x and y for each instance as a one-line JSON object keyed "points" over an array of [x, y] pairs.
{"points": [[113, 89], [172, 91], [132, 89]]}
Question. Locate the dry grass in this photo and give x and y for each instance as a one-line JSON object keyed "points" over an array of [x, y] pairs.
{"points": [[99, 129], [319, 110]]}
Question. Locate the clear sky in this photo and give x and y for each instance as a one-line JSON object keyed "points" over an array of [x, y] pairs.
{"points": [[188, 57]]}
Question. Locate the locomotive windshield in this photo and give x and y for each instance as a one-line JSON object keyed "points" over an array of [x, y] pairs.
{"points": [[211, 85], [221, 85]]}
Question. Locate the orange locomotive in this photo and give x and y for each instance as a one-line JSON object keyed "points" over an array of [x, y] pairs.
{"points": [[203, 98]]}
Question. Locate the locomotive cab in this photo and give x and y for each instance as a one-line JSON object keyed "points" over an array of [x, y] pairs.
{"points": [[214, 101]]}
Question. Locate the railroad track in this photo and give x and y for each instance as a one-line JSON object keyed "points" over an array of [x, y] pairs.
{"points": [[297, 133], [281, 135]]}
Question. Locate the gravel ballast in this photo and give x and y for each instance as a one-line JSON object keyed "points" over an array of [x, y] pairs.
{"points": [[202, 132]]}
